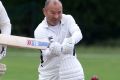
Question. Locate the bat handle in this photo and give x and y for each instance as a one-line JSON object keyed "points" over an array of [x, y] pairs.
{"points": [[51, 40]]}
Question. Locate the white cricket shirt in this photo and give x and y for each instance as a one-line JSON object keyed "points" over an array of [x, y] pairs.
{"points": [[66, 28]]}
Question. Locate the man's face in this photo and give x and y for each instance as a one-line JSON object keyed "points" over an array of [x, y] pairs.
{"points": [[53, 13]]}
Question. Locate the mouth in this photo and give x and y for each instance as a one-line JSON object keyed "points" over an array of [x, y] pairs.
{"points": [[54, 22]]}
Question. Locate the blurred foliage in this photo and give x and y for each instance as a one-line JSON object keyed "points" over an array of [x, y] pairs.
{"points": [[99, 20]]}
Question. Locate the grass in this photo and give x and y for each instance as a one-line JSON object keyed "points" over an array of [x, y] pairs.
{"points": [[104, 62], [21, 64], [100, 61]]}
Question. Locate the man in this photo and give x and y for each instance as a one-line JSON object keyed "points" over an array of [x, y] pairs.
{"points": [[59, 61], [5, 28]]}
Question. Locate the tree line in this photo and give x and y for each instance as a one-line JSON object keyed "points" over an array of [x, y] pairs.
{"points": [[98, 20]]}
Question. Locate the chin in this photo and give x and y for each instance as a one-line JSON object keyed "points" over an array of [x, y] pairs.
{"points": [[54, 24]]}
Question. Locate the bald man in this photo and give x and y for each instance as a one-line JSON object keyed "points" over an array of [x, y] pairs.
{"points": [[59, 61]]}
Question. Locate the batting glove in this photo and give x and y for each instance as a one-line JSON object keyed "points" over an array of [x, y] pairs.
{"points": [[67, 46], [2, 51], [55, 48]]}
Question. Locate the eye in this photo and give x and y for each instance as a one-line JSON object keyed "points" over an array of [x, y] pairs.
{"points": [[52, 12], [59, 12]]}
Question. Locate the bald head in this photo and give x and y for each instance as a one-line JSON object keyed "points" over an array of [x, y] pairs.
{"points": [[54, 2], [53, 11]]}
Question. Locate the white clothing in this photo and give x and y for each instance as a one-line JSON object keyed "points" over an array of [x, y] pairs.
{"points": [[71, 69], [52, 64], [5, 27]]}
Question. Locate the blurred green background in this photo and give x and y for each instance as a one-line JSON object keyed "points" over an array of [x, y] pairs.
{"points": [[99, 20], [99, 50]]}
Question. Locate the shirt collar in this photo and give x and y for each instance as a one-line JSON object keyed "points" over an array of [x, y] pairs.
{"points": [[45, 23], [62, 20]]}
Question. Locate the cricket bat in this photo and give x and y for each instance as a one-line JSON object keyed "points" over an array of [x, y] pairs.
{"points": [[24, 42]]}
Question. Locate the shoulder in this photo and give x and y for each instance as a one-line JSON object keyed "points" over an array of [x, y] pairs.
{"points": [[39, 32], [41, 28], [67, 18]]}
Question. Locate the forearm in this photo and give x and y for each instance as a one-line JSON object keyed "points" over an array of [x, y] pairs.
{"points": [[68, 43], [76, 36]]}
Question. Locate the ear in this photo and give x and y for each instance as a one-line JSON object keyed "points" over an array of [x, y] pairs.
{"points": [[44, 11]]}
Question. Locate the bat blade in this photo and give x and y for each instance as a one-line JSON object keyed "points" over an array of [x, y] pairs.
{"points": [[24, 42]]}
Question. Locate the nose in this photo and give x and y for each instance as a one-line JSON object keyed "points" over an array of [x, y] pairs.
{"points": [[56, 16]]}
